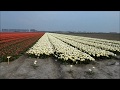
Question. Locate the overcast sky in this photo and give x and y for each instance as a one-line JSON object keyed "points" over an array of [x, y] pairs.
{"points": [[89, 21]]}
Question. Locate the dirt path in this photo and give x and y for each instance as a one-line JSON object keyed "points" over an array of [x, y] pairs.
{"points": [[49, 68]]}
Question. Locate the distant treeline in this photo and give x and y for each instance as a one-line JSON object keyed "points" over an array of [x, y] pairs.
{"points": [[18, 30], [34, 30], [81, 32]]}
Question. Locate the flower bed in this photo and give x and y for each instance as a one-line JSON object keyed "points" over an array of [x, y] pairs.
{"points": [[15, 44]]}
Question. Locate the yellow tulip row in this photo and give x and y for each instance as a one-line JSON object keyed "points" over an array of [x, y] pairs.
{"points": [[86, 48], [101, 45], [43, 46], [69, 47], [67, 52], [111, 42], [101, 41]]}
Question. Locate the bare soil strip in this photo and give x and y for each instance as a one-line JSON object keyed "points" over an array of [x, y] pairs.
{"points": [[51, 68]]}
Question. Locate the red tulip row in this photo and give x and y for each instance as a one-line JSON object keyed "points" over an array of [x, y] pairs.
{"points": [[12, 44]]}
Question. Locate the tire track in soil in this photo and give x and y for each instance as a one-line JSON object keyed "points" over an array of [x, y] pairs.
{"points": [[49, 68], [57, 63]]}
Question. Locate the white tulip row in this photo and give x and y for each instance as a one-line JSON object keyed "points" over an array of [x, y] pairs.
{"points": [[43, 46], [68, 47], [102, 46], [101, 41], [86, 48], [106, 41], [66, 52], [96, 39], [98, 45]]}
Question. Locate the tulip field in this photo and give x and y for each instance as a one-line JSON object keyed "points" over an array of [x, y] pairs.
{"points": [[64, 47], [14, 44], [74, 48]]}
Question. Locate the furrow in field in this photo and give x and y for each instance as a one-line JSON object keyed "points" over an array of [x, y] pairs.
{"points": [[67, 52], [97, 45], [95, 52]]}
